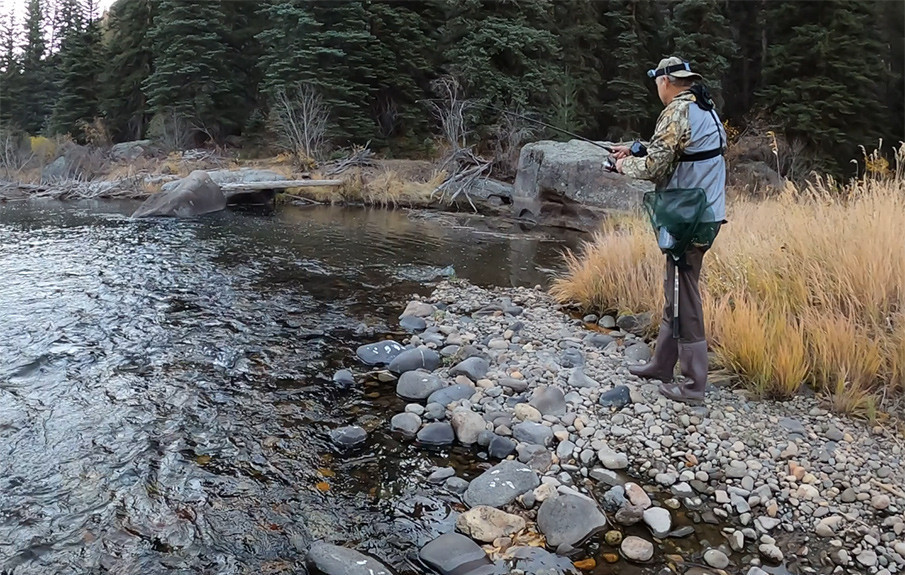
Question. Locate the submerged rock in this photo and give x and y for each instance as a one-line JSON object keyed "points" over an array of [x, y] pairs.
{"points": [[348, 436], [336, 560]]}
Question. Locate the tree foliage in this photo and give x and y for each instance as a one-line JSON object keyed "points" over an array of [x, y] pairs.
{"points": [[826, 73]]}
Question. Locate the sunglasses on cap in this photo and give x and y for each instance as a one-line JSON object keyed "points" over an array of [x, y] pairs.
{"points": [[669, 70]]}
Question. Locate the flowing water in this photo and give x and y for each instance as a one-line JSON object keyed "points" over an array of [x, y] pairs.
{"points": [[165, 386]]}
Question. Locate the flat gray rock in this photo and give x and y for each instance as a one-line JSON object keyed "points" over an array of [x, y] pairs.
{"points": [[549, 400], [500, 447], [455, 554], [379, 353], [501, 484], [336, 560], [537, 561], [474, 368], [412, 359], [569, 519], [344, 378], [412, 324], [417, 385], [530, 432], [450, 394]]}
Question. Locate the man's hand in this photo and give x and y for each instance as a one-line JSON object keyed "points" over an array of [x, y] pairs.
{"points": [[620, 152], [619, 163]]}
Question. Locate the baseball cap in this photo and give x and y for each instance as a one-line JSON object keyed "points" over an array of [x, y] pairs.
{"points": [[675, 67]]}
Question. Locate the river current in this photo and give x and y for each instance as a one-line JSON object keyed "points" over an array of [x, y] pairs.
{"points": [[166, 386]]}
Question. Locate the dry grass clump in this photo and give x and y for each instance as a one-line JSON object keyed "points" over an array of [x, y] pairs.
{"points": [[804, 287]]}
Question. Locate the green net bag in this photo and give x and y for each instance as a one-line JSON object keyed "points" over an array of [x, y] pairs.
{"points": [[675, 215]]}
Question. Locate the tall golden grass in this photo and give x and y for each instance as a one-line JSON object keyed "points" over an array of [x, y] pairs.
{"points": [[807, 287]]}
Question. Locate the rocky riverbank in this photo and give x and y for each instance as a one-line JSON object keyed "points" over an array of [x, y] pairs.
{"points": [[590, 465]]}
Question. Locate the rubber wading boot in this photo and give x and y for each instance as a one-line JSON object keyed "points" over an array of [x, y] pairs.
{"points": [[666, 354], [693, 360]]}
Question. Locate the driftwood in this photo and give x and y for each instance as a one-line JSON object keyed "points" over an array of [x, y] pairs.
{"points": [[278, 185], [360, 157], [128, 188]]}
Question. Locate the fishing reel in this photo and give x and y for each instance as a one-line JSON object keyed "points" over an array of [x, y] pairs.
{"points": [[609, 164]]}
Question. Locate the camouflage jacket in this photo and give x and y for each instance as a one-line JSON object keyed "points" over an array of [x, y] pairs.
{"points": [[670, 138]]}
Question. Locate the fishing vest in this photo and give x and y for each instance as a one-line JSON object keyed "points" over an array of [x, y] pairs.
{"points": [[701, 164]]}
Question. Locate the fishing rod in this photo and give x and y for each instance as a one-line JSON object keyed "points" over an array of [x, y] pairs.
{"points": [[546, 125]]}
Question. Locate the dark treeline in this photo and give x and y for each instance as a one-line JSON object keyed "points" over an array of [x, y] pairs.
{"points": [[826, 74]]}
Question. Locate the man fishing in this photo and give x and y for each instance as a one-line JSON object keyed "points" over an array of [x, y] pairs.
{"points": [[684, 154]]}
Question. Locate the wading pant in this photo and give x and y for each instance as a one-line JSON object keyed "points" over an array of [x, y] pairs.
{"points": [[691, 313]]}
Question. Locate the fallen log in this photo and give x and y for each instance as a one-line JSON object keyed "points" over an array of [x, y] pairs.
{"points": [[278, 185]]}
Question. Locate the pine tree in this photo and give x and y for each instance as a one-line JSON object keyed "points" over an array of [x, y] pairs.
{"points": [[32, 97], [9, 67], [406, 64], [503, 53], [823, 81], [744, 77], [581, 34], [128, 64], [190, 78], [627, 104], [80, 67], [701, 35], [288, 56], [347, 70]]}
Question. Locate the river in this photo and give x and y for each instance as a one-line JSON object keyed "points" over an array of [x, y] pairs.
{"points": [[166, 393]]}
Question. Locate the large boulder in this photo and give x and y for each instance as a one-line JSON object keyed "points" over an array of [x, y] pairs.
{"points": [[195, 195], [129, 151], [565, 184]]}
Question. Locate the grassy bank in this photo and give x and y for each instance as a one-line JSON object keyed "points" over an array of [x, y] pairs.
{"points": [[807, 287]]}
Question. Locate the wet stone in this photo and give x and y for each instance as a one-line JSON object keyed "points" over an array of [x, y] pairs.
{"points": [[336, 560], [501, 484], [569, 519], [412, 359], [436, 434], [380, 353], [617, 398], [406, 423], [456, 485], [716, 559], [344, 378], [637, 549], [348, 436], [417, 385], [434, 411], [441, 475], [456, 554]]}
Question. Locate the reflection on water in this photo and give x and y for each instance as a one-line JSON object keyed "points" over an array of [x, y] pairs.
{"points": [[164, 385]]}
